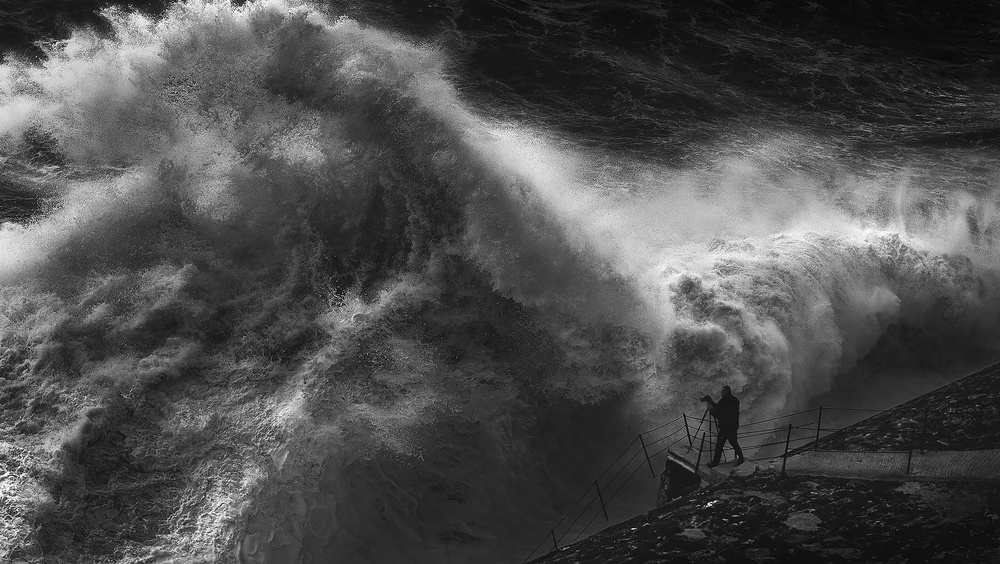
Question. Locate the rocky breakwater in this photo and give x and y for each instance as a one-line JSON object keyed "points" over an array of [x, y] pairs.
{"points": [[761, 517]]}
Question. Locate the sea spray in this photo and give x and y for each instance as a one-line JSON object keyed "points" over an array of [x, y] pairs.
{"points": [[296, 302]]}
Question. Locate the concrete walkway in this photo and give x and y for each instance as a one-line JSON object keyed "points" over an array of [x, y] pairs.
{"points": [[937, 465], [932, 465]]}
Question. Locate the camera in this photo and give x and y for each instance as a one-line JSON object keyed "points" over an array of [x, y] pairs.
{"points": [[706, 397]]}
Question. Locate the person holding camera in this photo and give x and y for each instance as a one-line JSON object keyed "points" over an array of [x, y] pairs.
{"points": [[727, 414]]}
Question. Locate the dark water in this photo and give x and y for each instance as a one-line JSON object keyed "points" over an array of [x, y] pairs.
{"points": [[430, 264]]}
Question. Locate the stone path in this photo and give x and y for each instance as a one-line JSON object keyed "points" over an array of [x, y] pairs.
{"points": [[932, 465]]}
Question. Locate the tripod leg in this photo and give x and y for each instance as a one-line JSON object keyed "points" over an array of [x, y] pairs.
{"points": [[700, 423]]}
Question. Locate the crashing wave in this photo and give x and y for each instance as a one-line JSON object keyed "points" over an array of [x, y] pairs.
{"points": [[295, 302]]}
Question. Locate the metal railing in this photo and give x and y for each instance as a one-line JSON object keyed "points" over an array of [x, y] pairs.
{"points": [[648, 445]]}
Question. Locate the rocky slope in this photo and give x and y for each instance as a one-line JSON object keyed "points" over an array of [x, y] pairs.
{"points": [[758, 515], [963, 415], [761, 518]]}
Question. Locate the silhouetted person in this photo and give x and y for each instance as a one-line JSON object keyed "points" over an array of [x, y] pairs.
{"points": [[727, 414]]}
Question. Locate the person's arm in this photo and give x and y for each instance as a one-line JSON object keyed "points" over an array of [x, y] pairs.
{"points": [[711, 403]]}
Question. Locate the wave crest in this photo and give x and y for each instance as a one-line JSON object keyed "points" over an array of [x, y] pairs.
{"points": [[287, 262]]}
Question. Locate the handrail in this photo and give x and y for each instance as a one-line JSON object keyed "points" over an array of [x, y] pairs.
{"points": [[624, 452], [675, 420], [599, 488], [779, 417], [557, 536], [665, 437]]}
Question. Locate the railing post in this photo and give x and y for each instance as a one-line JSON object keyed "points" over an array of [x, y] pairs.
{"points": [[687, 430], [700, 449], [923, 434], [700, 423], [909, 457], [601, 498], [645, 452], [784, 459], [819, 421]]}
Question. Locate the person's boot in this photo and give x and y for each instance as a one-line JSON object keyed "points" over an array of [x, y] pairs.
{"points": [[713, 464], [739, 461]]}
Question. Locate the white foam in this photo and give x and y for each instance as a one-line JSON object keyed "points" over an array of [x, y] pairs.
{"points": [[532, 304]]}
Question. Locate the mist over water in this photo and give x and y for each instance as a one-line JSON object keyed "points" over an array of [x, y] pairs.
{"points": [[295, 267]]}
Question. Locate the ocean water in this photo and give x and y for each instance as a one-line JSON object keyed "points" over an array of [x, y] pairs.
{"points": [[379, 282]]}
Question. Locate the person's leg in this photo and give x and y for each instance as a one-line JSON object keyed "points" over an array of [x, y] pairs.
{"points": [[736, 446], [719, 443]]}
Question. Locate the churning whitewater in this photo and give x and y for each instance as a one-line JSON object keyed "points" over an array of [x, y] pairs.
{"points": [[294, 297]]}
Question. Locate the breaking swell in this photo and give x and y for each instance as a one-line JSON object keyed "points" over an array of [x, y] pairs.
{"points": [[286, 267]]}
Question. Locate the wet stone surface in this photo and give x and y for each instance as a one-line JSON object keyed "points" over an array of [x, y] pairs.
{"points": [[761, 518]]}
